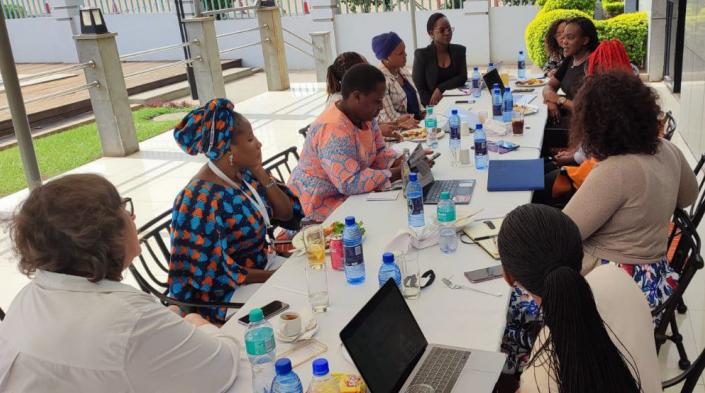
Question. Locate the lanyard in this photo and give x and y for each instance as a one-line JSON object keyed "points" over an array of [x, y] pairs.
{"points": [[257, 202]]}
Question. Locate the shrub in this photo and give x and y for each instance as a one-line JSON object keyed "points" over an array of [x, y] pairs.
{"points": [[536, 31], [613, 8], [587, 6], [632, 29], [14, 11]]}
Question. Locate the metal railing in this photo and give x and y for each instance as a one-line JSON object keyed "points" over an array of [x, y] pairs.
{"points": [[130, 6], [242, 31], [228, 9], [57, 94], [18, 9], [56, 71], [162, 67], [242, 46], [159, 49]]}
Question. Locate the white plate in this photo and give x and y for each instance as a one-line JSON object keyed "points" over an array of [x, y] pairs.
{"points": [[311, 330], [530, 109], [524, 85], [439, 135]]}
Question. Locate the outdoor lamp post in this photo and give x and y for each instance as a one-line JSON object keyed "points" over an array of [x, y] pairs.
{"points": [[92, 21]]}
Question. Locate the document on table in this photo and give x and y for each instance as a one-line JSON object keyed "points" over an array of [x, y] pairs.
{"points": [[383, 195]]}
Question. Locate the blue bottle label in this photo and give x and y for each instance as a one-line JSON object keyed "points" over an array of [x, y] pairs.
{"points": [[260, 341], [497, 110], [446, 214], [353, 255], [415, 205], [521, 65], [476, 83], [454, 132], [508, 105], [481, 147]]}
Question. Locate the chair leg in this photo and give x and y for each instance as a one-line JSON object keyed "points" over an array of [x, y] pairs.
{"points": [[682, 308], [677, 339]]}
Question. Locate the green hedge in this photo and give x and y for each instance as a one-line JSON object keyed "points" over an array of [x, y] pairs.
{"points": [[613, 8], [13, 11], [587, 6], [632, 29], [536, 31]]}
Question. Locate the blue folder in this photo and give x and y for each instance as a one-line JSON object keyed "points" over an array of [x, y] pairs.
{"points": [[515, 175]]}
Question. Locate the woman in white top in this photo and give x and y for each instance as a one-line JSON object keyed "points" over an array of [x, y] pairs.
{"points": [[596, 334], [75, 327]]}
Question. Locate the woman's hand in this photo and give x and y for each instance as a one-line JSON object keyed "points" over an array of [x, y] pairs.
{"points": [[196, 320], [407, 122], [564, 157], [554, 113], [436, 97]]}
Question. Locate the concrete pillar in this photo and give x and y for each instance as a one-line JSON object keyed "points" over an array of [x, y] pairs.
{"points": [[111, 107], [322, 53], [323, 13], [66, 11], [207, 71], [275, 66]]}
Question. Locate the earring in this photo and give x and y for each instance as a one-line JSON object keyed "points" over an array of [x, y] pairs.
{"points": [[230, 159]]}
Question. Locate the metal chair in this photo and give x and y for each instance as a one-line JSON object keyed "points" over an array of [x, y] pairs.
{"points": [[686, 262], [153, 268], [669, 125], [691, 376], [2, 314], [698, 209], [279, 163], [303, 131]]}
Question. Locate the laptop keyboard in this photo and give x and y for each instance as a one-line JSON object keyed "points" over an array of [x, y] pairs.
{"points": [[441, 369], [434, 194]]}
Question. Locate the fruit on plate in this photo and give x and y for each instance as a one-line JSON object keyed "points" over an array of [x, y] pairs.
{"points": [[414, 133], [531, 82], [336, 228]]}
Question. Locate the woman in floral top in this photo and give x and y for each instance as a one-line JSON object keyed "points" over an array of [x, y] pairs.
{"points": [[344, 153], [222, 217]]}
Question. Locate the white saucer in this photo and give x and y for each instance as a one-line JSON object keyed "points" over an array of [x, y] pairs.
{"points": [[311, 330]]}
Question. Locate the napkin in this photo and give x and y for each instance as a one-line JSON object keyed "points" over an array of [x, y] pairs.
{"points": [[418, 238], [495, 127]]}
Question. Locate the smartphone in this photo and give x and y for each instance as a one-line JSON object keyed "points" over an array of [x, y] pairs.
{"points": [[462, 102], [522, 91], [433, 157], [269, 311], [486, 274], [506, 146]]}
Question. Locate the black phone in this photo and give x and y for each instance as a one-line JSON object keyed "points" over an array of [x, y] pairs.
{"points": [[462, 102], [269, 311], [485, 274], [522, 91], [433, 157]]}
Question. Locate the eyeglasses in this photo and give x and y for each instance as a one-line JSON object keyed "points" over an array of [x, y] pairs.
{"points": [[126, 204], [446, 30]]}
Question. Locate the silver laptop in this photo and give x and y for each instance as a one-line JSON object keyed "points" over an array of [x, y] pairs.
{"points": [[391, 353]]}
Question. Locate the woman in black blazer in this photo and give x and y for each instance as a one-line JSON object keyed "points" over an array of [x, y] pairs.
{"points": [[441, 65]]}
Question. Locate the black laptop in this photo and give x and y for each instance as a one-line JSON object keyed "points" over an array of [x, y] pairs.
{"points": [[460, 190], [491, 78]]}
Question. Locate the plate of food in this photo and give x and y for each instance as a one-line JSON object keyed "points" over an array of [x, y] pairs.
{"points": [[419, 134], [533, 82], [527, 109], [335, 228]]}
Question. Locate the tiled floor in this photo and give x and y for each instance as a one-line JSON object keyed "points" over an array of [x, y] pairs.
{"points": [[153, 177]]}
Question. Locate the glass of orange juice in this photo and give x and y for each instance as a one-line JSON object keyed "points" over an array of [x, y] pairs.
{"points": [[315, 245]]}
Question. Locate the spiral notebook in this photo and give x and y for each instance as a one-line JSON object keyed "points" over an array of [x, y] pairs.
{"points": [[484, 234]]}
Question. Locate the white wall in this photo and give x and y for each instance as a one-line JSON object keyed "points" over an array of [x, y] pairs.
{"points": [[507, 26], [41, 40]]}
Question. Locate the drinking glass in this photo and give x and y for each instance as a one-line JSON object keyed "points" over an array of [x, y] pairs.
{"points": [[317, 286], [410, 274], [518, 122], [315, 245]]}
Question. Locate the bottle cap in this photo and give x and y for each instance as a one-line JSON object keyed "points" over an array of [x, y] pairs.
{"points": [[474, 68], [521, 52], [491, 64], [412, 176], [256, 315], [507, 90], [429, 110], [388, 257], [445, 195], [349, 220], [454, 112], [320, 367], [283, 366], [478, 126]]}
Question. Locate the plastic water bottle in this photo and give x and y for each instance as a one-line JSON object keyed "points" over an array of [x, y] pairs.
{"points": [[431, 123], [496, 102], [454, 140], [389, 269], [260, 347], [521, 66], [507, 105], [353, 258], [481, 160], [405, 170], [448, 240], [490, 67], [286, 380], [476, 83], [414, 202], [322, 381]]}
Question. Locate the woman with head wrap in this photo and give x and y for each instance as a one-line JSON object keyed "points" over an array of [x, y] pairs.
{"points": [[402, 103], [222, 218]]}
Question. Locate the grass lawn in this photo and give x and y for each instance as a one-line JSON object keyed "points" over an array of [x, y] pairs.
{"points": [[72, 148]]}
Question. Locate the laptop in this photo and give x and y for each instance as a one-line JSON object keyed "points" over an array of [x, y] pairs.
{"points": [[460, 190], [392, 354], [491, 78]]}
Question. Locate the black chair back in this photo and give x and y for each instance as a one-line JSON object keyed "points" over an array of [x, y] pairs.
{"points": [[152, 270], [2, 314], [698, 209], [281, 164], [669, 125], [690, 376]]}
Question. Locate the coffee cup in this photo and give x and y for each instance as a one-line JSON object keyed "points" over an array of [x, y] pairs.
{"points": [[290, 323]]}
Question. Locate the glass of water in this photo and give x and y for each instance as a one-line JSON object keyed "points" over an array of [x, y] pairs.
{"points": [[317, 285], [410, 274]]}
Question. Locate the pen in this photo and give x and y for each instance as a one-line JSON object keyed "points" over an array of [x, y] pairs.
{"points": [[484, 238]]}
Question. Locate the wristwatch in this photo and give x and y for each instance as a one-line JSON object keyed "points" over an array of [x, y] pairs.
{"points": [[562, 100]]}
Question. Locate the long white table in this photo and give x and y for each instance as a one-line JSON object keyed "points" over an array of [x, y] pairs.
{"points": [[451, 317]]}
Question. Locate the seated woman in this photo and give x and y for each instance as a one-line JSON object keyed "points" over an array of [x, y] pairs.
{"points": [[624, 206], [578, 41], [589, 341], [75, 327], [344, 153], [402, 103], [553, 48], [441, 65], [225, 215]]}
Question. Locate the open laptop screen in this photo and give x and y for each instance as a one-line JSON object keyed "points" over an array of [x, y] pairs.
{"points": [[384, 340]]}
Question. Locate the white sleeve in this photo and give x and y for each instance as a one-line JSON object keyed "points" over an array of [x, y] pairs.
{"points": [[167, 354]]}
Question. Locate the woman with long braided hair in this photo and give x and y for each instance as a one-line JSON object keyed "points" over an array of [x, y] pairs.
{"points": [[596, 332]]}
